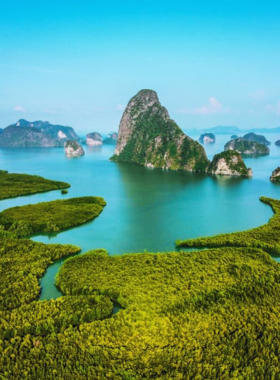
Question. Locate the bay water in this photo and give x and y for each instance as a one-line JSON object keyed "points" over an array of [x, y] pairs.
{"points": [[147, 209]]}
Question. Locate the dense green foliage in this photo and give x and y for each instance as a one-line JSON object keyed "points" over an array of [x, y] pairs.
{"points": [[233, 160], [46, 317], [200, 315], [50, 216], [258, 138], [14, 185], [212, 314], [247, 147], [266, 237], [22, 262]]}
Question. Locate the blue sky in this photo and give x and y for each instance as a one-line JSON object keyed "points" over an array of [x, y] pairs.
{"points": [[79, 62]]}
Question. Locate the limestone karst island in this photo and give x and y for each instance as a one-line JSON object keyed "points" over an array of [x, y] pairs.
{"points": [[147, 136]]}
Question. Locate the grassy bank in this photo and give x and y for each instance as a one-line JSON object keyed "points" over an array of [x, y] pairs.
{"points": [[266, 237], [15, 185]]}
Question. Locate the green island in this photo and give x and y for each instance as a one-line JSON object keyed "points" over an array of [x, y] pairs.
{"points": [[266, 237], [14, 185], [50, 216]]}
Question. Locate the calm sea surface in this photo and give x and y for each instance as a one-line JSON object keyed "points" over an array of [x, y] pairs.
{"points": [[146, 209]]}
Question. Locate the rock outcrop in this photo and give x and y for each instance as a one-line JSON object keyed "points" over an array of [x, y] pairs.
{"points": [[234, 137], [111, 139], [73, 148], [17, 137], [275, 176], [36, 134], [229, 163], [94, 139], [247, 147], [207, 138], [257, 138], [147, 136], [277, 143]]}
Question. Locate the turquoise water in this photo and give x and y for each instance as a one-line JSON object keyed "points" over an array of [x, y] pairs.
{"points": [[146, 209]]}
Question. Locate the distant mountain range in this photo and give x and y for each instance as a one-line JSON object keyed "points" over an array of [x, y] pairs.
{"points": [[231, 130], [36, 134]]}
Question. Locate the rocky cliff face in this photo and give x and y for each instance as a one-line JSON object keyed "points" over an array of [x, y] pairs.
{"points": [[275, 177], [247, 147], [229, 163], [257, 138], [73, 148], [36, 134], [207, 138], [94, 139], [25, 137], [147, 136]]}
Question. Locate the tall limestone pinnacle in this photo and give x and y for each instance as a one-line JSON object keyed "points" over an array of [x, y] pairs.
{"points": [[147, 136]]}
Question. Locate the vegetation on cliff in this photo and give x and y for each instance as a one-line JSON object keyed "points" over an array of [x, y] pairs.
{"points": [[258, 138], [111, 139], [275, 176], [229, 163], [38, 133], [17, 137], [14, 185], [73, 148], [147, 136], [247, 147]]}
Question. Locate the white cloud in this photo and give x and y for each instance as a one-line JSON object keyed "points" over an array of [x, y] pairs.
{"points": [[273, 108], [258, 94], [19, 109], [120, 107], [213, 106]]}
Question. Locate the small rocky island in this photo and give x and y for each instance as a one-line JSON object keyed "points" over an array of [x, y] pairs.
{"points": [[147, 136], [94, 139], [257, 138], [277, 143], [229, 163], [207, 138], [247, 147], [73, 148], [275, 177], [111, 139]]}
